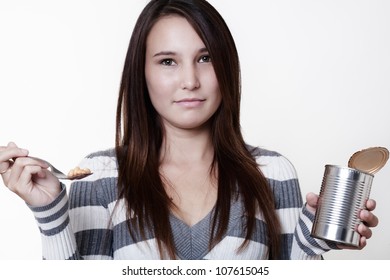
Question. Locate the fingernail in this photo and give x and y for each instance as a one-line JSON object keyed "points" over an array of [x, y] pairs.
{"points": [[24, 151]]}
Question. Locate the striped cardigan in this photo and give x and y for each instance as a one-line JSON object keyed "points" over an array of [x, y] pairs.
{"points": [[89, 222]]}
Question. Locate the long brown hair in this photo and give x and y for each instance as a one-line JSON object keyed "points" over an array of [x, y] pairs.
{"points": [[139, 135]]}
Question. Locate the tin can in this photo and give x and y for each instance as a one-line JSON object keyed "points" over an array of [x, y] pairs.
{"points": [[344, 192]]}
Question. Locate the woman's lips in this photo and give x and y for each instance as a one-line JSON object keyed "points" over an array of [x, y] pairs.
{"points": [[190, 102]]}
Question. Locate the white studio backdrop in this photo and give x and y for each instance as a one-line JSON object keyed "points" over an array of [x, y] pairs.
{"points": [[315, 80]]}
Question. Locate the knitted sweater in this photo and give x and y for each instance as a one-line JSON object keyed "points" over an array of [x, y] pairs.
{"points": [[90, 223]]}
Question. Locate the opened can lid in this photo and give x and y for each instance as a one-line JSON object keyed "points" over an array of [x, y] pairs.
{"points": [[369, 160]]}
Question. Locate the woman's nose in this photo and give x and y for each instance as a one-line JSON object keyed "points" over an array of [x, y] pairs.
{"points": [[190, 79]]}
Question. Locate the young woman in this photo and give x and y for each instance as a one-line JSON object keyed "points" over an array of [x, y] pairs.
{"points": [[181, 182]]}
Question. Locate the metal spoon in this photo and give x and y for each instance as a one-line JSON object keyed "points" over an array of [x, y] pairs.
{"points": [[60, 175]]}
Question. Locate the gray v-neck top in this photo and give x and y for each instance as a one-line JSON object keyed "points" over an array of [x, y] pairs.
{"points": [[90, 223]]}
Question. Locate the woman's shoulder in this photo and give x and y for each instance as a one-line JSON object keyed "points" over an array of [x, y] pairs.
{"points": [[258, 152], [107, 153], [103, 162], [273, 164]]}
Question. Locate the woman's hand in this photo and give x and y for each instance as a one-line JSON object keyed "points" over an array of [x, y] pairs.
{"points": [[27, 177], [368, 219]]}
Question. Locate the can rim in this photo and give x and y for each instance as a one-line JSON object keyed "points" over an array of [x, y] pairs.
{"points": [[350, 169]]}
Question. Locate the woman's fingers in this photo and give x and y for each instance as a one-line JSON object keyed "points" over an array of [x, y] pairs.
{"points": [[33, 183], [28, 177], [22, 172], [7, 153], [371, 205], [11, 151], [22, 183], [369, 220], [311, 202], [364, 231]]}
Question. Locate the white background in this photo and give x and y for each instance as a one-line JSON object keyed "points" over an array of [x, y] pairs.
{"points": [[315, 88]]}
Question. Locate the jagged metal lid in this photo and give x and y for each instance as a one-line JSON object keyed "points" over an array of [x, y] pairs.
{"points": [[369, 160]]}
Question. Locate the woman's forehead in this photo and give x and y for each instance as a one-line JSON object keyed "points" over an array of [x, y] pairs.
{"points": [[173, 33]]}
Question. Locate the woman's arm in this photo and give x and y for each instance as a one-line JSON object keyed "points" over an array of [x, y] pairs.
{"points": [[77, 226]]}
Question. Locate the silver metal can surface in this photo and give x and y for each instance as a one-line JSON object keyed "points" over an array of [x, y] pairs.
{"points": [[344, 192]]}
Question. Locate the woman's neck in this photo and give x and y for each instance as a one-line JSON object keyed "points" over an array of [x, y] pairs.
{"points": [[186, 160], [183, 146]]}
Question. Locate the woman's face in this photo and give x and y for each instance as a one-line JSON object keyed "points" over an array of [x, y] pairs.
{"points": [[179, 74]]}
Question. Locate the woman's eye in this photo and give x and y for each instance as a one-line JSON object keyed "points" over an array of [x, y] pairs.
{"points": [[167, 62], [205, 58]]}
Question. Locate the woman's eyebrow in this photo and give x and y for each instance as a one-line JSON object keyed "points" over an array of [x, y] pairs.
{"points": [[163, 53]]}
